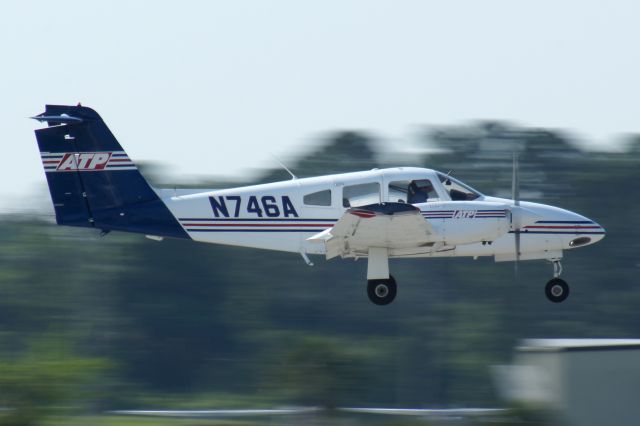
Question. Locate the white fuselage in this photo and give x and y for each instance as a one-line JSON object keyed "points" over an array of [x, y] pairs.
{"points": [[283, 215]]}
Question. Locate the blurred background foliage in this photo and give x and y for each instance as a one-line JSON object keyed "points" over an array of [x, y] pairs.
{"points": [[89, 324]]}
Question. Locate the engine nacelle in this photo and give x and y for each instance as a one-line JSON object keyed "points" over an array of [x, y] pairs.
{"points": [[462, 222]]}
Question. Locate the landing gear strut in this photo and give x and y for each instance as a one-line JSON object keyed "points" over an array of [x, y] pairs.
{"points": [[382, 291], [381, 287], [557, 289]]}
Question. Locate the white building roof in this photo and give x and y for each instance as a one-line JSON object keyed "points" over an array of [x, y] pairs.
{"points": [[535, 345]]}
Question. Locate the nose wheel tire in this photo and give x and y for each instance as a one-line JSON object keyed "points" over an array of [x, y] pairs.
{"points": [[382, 292], [557, 290]]}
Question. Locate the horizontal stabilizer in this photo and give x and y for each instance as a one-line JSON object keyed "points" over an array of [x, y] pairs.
{"points": [[57, 119]]}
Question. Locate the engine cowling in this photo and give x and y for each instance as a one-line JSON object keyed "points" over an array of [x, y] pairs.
{"points": [[465, 222]]}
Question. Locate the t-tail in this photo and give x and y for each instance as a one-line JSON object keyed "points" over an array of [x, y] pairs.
{"points": [[92, 181]]}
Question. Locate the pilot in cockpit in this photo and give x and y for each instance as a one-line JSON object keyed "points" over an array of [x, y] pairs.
{"points": [[419, 191]]}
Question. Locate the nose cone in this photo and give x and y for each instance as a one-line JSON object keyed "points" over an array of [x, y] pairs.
{"points": [[595, 231], [580, 231], [575, 230], [587, 231]]}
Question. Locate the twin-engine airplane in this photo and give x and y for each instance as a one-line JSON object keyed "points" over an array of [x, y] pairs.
{"points": [[398, 212]]}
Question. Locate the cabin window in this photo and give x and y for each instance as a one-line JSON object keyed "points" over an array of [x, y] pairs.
{"points": [[398, 191], [320, 198], [457, 190], [361, 194], [412, 191]]}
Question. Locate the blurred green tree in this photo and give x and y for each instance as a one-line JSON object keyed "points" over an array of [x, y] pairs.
{"points": [[47, 378]]}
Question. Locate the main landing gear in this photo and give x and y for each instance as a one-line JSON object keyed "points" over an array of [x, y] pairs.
{"points": [[557, 289], [381, 287], [382, 291]]}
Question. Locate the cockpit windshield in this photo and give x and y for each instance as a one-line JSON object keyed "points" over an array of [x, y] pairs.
{"points": [[412, 191], [457, 190]]}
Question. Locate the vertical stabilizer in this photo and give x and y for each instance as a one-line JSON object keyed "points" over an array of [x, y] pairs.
{"points": [[92, 181]]}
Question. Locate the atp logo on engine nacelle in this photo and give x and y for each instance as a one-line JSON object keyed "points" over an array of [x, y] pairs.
{"points": [[464, 214], [84, 161]]}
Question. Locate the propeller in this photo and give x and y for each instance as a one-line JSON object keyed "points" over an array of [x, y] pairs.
{"points": [[516, 210], [521, 217]]}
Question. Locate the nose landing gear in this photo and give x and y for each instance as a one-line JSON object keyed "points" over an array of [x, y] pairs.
{"points": [[557, 289]]}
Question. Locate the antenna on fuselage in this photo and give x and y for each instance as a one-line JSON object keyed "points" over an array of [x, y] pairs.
{"points": [[447, 181], [293, 177]]}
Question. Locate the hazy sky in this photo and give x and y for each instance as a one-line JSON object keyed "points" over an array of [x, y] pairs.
{"points": [[213, 87]]}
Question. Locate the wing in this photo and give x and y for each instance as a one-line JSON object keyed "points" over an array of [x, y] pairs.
{"points": [[398, 227]]}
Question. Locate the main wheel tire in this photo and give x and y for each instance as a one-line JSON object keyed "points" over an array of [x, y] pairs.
{"points": [[382, 292], [557, 290]]}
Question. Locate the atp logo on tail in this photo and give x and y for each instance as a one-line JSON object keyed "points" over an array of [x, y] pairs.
{"points": [[84, 161]]}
